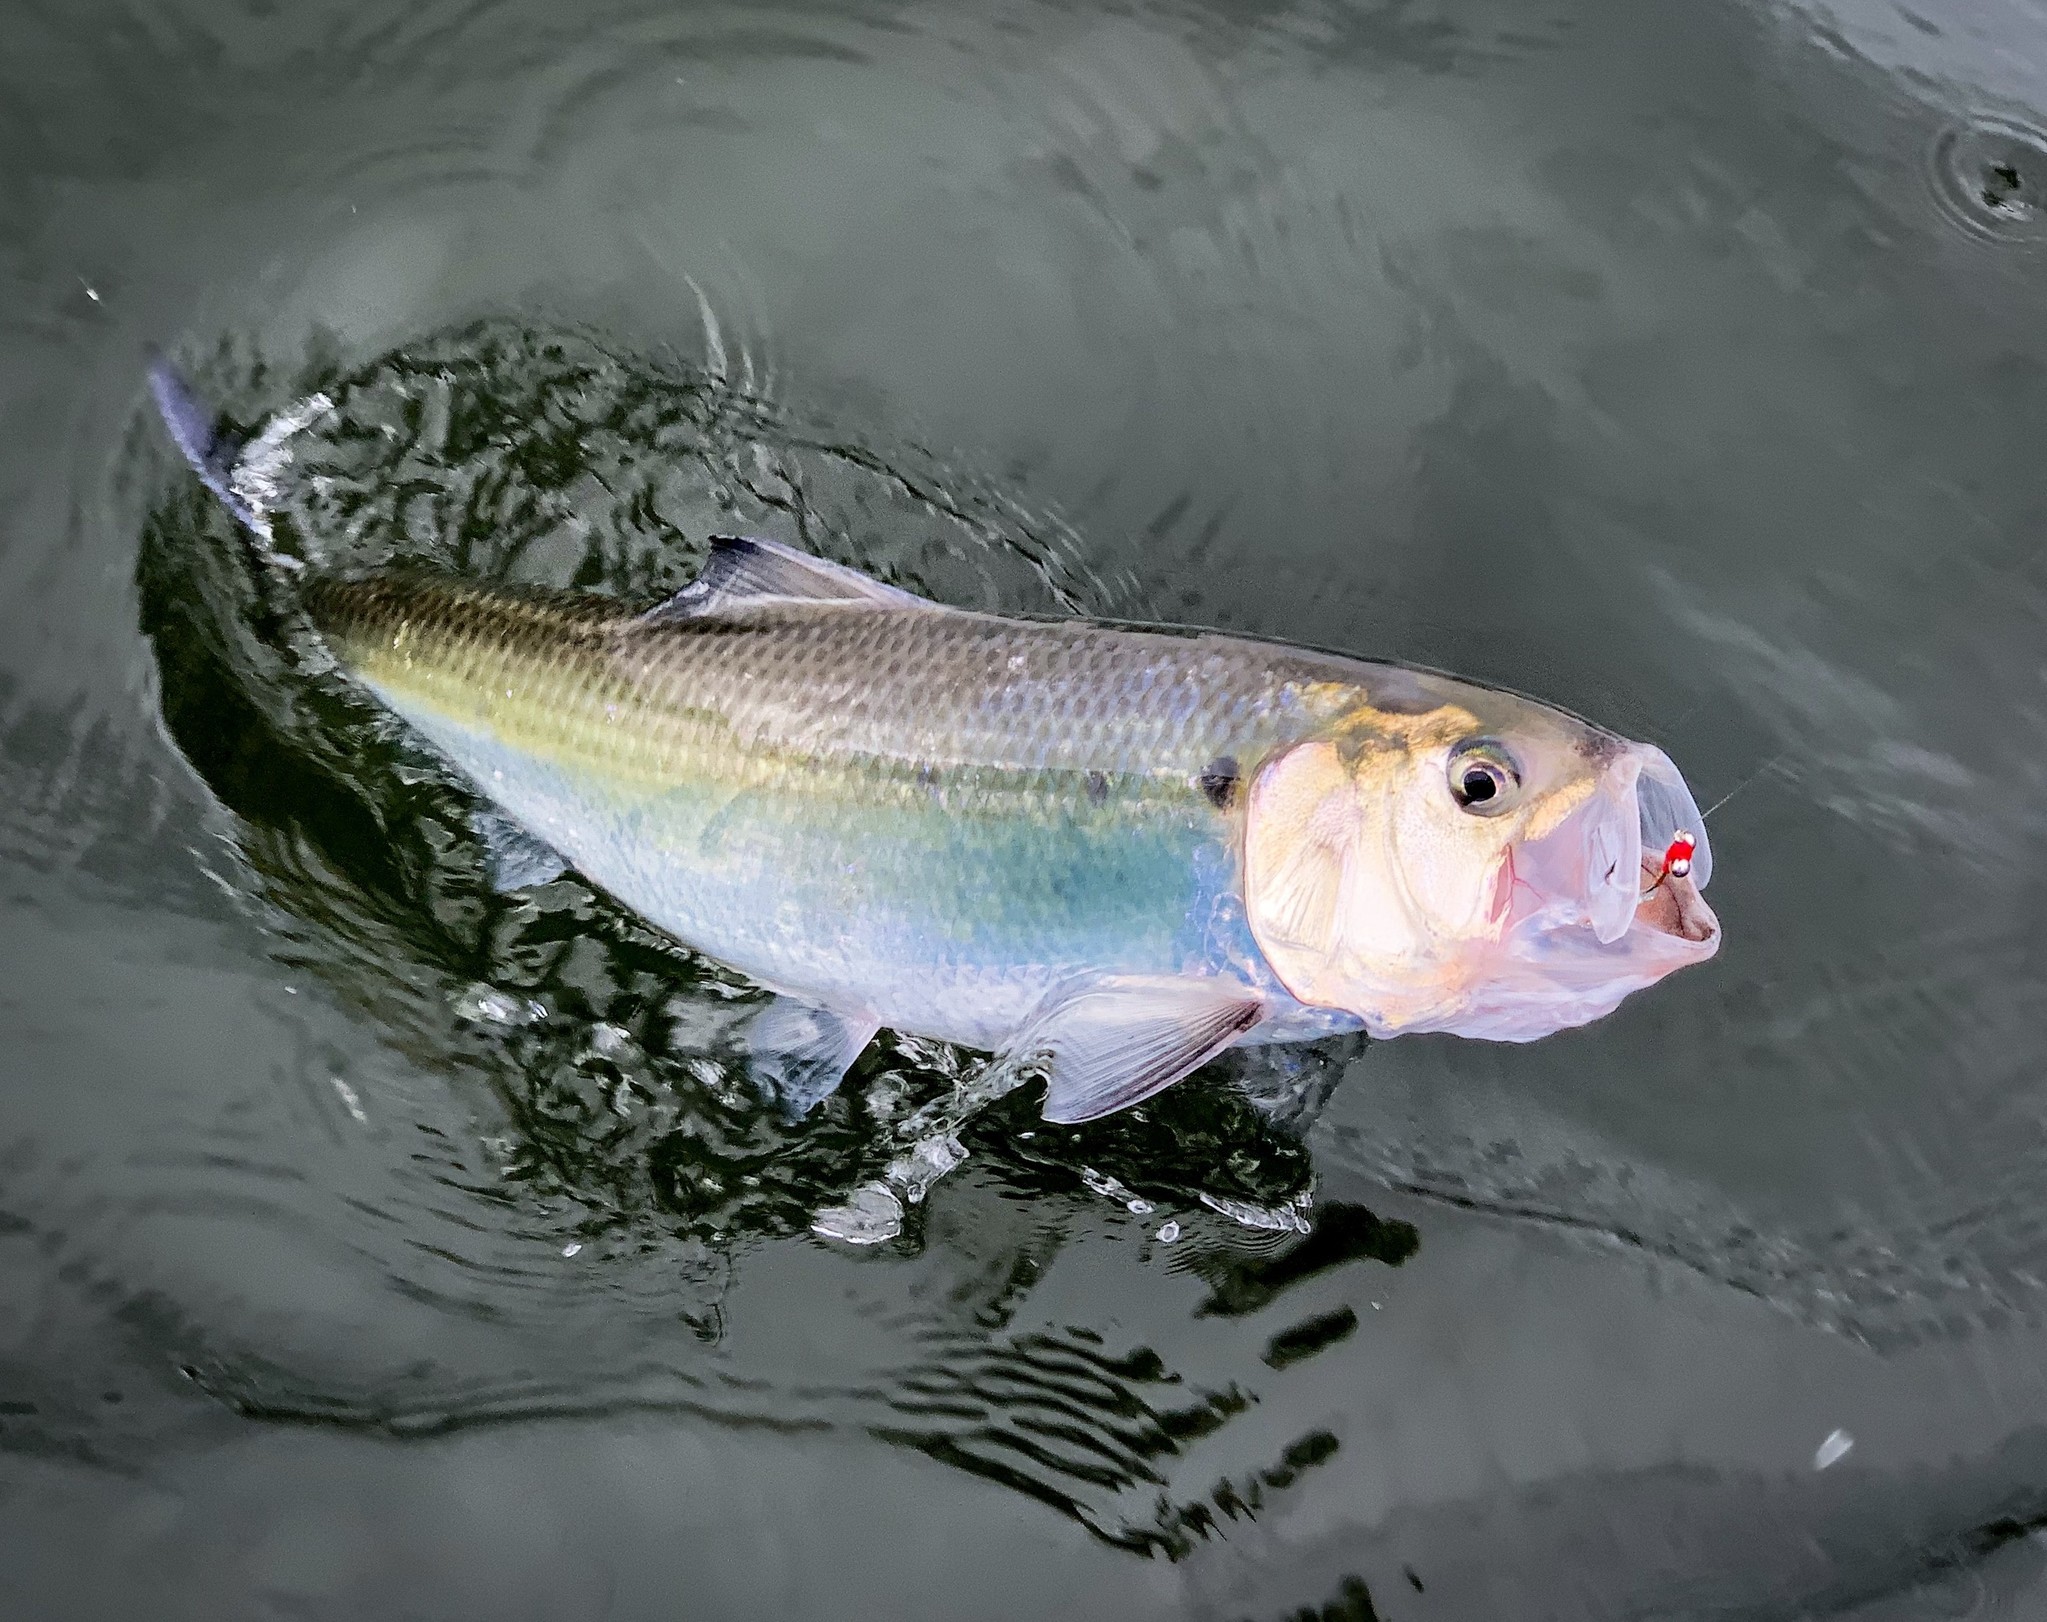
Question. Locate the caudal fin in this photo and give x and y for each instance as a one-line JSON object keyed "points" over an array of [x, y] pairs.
{"points": [[193, 430], [244, 476]]}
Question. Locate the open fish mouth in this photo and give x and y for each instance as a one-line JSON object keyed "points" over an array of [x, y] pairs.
{"points": [[1591, 911], [1669, 902], [1604, 869]]}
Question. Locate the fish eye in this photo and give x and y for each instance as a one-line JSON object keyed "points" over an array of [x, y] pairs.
{"points": [[1483, 778]]}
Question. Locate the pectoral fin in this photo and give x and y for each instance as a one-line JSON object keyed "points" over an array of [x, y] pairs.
{"points": [[514, 857], [801, 1053], [1117, 1042]]}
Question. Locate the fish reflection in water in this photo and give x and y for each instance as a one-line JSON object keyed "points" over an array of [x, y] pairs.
{"points": [[1106, 854]]}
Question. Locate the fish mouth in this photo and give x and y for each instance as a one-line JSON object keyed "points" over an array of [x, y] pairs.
{"points": [[1671, 905], [1604, 868], [1669, 901], [1588, 913]]}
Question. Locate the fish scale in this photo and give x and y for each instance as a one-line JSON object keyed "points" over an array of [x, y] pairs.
{"points": [[933, 816]]}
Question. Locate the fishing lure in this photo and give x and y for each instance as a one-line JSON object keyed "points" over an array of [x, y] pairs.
{"points": [[1677, 860]]}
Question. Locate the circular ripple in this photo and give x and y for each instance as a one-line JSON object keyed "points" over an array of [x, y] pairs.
{"points": [[1989, 176]]}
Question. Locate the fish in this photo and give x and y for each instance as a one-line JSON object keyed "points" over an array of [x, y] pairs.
{"points": [[1102, 852]]}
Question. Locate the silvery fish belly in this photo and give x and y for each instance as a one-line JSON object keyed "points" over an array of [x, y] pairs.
{"points": [[1105, 853]]}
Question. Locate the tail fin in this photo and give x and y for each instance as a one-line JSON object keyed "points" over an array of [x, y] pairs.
{"points": [[211, 453], [243, 476]]}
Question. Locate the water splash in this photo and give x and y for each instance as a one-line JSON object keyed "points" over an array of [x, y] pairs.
{"points": [[871, 1216], [1288, 1218]]}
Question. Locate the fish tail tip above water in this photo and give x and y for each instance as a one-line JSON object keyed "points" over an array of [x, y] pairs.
{"points": [[195, 431], [187, 418]]}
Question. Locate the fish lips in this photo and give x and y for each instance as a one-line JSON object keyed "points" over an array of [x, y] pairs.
{"points": [[1590, 915]]}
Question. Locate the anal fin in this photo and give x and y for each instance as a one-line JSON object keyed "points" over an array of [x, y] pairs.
{"points": [[1116, 1042], [801, 1052], [515, 858]]}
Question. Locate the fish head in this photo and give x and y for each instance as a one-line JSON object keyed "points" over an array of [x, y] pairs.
{"points": [[1485, 865]]}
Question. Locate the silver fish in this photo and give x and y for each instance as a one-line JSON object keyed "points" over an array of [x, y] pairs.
{"points": [[1105, 853]]}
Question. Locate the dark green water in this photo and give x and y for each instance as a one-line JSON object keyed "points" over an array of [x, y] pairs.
{"points": [[376, 1246]]}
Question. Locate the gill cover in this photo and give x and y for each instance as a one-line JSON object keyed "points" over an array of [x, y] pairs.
{"points": [[1346, 918], [1368, 893]]}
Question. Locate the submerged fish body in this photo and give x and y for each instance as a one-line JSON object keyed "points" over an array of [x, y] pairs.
{"points": [[1101, 851]]}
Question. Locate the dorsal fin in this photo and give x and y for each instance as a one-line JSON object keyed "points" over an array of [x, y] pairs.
{"points": [[743, 573]]}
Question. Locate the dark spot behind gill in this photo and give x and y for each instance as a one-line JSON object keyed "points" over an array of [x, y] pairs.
{"points": [[1219, 780]]}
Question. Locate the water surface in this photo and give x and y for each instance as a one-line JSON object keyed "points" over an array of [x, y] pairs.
{"points": [[378, 1245]]}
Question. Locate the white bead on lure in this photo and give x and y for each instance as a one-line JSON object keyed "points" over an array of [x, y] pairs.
{"points": [[1104, 853]]}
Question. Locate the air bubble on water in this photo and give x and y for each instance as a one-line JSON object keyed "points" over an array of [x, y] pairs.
{"points": [[1139, 1207], [1989, 177], [870, 1216], [1268, 1219], [886, 1097], [350, 1101], [1833, 1450], [1103, 1184], [923, 1163], [570, 1249], [487, 1005], [1169, 1231]]}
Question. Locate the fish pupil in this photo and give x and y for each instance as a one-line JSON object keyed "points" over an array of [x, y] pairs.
{"points": [[1479, 785]]}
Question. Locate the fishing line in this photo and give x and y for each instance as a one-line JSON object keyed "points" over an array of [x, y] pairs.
{"points": [[1706, 815], [1677, 858]]}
